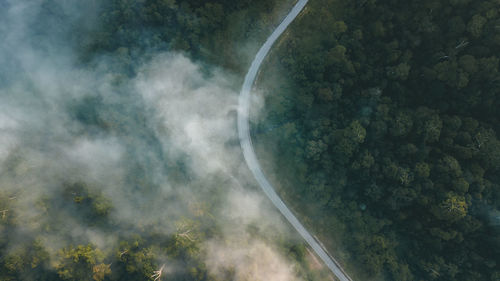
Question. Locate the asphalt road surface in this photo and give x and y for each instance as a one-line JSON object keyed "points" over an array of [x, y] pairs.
{"points": [[251, 158]]}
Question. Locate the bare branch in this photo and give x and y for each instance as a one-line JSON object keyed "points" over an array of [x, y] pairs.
{"points": [[123, 253], [157, 273], [462, 44], [186, 235], [4, 213]]}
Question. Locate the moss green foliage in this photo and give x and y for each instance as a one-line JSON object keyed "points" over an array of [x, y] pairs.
{"points": [[51, 240], [210, 31], [386, 129], [391, 125]]}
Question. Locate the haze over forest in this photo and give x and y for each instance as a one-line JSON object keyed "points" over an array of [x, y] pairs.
{"points": [[377, 121]]}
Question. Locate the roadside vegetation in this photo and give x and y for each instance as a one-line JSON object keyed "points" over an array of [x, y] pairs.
{"points": [[383, 116]]}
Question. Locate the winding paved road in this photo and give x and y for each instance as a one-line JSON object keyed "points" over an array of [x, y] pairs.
{"points": [[249, 154]]}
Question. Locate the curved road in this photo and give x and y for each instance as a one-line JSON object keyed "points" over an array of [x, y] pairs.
{"points": [[249, 154]]}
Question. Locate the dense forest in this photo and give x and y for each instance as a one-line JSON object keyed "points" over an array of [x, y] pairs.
{"points": [[381, 116], [91, 189], [389, 111]]}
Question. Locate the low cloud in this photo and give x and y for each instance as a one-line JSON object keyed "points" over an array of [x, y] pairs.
{"points": [[154, 146], [252, 260]]}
